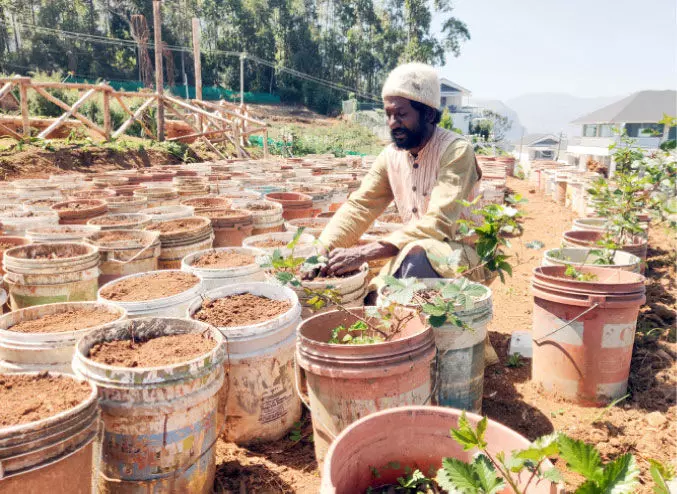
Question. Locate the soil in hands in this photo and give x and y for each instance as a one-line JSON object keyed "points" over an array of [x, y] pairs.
{"points": [[223, 260], [150, 287], [30, 398], [240, 310], [270, 243], [71, 320], [165, 350]]}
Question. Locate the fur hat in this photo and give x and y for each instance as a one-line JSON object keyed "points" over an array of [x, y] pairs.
{"points": [[414, 81]]}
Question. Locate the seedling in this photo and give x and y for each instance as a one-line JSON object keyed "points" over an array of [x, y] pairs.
{"points": [[356, 334], [515, 361], [661, 475], [577, 275]]}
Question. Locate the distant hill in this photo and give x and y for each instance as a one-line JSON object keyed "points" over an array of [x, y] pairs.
{"points": [[501, 108], [552, 112]]}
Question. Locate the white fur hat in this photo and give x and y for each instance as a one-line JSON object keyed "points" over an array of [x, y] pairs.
{"points": [[414, 81]]}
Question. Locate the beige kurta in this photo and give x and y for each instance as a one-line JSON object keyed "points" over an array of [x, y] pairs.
{"points": [[426, 190]]}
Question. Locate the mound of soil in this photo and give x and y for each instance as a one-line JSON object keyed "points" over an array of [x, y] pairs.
{"points": [[266, 244], [150, 286], [165, 350], [240, 310], [223, 259], [29, 398], [176, 226], [71, 320]]}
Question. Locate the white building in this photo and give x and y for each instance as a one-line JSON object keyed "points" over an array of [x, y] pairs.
{"points": [[538, 147], [638, 115], [455, 98]]}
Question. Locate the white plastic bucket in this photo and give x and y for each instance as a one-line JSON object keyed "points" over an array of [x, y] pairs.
{"points": [[60, 233], [305, 248], [174, 306], [262, 404], [164, 213], [37, 352], [217, 277], [576, 256]]}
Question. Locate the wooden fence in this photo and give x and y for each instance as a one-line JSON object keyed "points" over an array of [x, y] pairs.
{"points": [[210, 122]]}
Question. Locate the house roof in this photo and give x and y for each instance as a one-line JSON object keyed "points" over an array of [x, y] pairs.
{"points": [[457, 87], [533, 139], [640, 107]]}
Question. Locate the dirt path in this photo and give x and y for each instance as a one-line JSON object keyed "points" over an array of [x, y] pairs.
{"points": [[643, 424]]}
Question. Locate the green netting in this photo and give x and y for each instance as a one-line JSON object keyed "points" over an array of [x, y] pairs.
{"points": [[209, 93]]}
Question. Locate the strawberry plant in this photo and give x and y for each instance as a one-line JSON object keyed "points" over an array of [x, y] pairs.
{"points": [[489, 474], [577, 275]]}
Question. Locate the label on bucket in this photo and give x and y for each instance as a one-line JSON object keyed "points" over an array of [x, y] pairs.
{"points": [[274, 402], [618, 335]]}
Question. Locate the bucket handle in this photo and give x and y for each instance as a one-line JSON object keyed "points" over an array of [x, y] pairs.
{"points": [[304, 400], [135, 257], [592, 307]]}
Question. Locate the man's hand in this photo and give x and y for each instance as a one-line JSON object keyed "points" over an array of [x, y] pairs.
{"points": [[344, 261]]}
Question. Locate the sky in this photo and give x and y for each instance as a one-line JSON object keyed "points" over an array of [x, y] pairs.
{"points": [[586, 48]]}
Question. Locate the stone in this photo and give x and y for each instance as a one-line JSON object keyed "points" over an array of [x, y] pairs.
{"points": [[655, 419]]}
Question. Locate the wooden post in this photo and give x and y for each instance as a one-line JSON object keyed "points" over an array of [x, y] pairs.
{"points": [[159, 85], [23, 93], [265, 144], [106, 113], [198, 65], [242, 57]]}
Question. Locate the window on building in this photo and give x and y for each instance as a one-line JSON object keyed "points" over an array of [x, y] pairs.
{"points": [[606, 130], [643, 129], [590, 130]]}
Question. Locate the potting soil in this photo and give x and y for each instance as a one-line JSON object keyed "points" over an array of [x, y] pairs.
{"points": [[71, 320], [240, 310], [270, 243], [30, 398], [175, 226], [162, 351], [150, 287], [224, 259]]}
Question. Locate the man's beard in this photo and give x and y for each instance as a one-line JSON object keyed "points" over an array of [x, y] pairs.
{"points": [[408, 139]]}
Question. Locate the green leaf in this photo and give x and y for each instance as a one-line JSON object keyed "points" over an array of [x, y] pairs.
{"points": [[620, 476], [295, 240], [660, 474], [284, 277], [482, 429], [486, 474], [581, 457], [535, 244], [466, 436], [589, 488], [457, 477], [437, 321], [434, 310], [541, 448], [553, 475]]}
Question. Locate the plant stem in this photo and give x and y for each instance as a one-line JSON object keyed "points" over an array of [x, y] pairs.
{"points": [[505, 474], [342, 308], [533, 474]]}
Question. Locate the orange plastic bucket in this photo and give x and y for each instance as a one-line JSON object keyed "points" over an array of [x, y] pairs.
{"points": [[348, 382], [583, 332]]}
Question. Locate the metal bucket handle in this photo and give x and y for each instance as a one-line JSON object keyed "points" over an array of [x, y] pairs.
{"points": [[134, 258]]}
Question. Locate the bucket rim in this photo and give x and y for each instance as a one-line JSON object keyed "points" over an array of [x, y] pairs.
{"points": [[53, 419], [201, 363], [93, 250], [162, 301], [192, 257]]}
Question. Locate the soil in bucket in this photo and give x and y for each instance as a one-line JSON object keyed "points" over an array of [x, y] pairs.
{"points": [[161, 351], [268, 244], [71, 320], [150, 287], [176, 226], [27, 398], [223, 260], [241, 310]]}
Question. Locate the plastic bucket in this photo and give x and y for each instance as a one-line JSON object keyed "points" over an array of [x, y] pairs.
{"points": [[461, 357], [158, 196], [126, 221], [262, 404], [589, 239], [267, 216], [350, 289], [125, 252], [348, 382], [174, 306], [414, 437], [313, 226], [40, 274], [126, 204], [306, 246], [217, 277], [53, 454], [230, 227], [80, 211], [35, 352], [61, 233], [160, 424], [294, 205], [17, 222], [584, 331], [576, 256], [165, 213], [195, 234], [590, 224], [7, 242]]}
